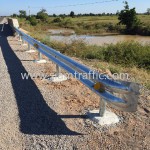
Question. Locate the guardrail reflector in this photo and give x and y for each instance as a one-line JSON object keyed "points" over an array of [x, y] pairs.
{"points": [[99, 86]]}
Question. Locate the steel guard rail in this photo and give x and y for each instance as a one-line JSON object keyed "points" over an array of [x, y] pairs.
{"points": [[127, 93]]}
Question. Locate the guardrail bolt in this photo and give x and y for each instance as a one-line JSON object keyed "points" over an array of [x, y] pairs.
{"points": [[102, 107]]}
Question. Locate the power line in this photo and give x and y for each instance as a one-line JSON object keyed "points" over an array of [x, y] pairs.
{"points": [[81, 4]]}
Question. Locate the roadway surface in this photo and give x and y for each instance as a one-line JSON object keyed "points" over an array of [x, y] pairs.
{"points": [[38, 115]]}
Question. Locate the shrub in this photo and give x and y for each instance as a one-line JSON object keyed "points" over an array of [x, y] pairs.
{"points": [[111, 27], [125, 54], [87, 26], [57, 20], [33, 21], [66, 23], [143, 30], [98, 26], [128, 54]]}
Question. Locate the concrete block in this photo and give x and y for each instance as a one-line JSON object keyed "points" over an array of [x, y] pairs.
{"points": [[42, 61], [31, 51], [56, 78], [109, 118]]}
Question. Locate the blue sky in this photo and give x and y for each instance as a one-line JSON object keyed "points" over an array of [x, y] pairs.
{"points": [[9, 7]]}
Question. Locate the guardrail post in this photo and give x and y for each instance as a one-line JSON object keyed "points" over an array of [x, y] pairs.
{"points": [[57, 70], [20, 39], [30, 50], [40, 60], [39, 56], [58, 77], [102, 108], [23, 42], [29, 46]]}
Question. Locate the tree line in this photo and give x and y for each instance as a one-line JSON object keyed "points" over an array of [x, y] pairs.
{"points": [[127, 17], [23, 14]]}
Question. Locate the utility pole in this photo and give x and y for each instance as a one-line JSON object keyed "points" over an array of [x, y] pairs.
{"points": [[29, 11], [29, 16]]}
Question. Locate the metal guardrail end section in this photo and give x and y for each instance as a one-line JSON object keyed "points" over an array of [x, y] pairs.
{"points": [[133, 87], [130, 105], [121, 95], [131, 97], [122, 101]]}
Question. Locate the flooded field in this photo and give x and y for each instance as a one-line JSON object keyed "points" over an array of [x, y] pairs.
{"points": [[101, 40], [61, 31]]}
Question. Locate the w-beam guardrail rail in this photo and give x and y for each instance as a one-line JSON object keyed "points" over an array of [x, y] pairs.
{"points": [[120, 94]]}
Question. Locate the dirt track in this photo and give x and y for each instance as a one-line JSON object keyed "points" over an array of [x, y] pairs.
{"points": [[36, 114]]}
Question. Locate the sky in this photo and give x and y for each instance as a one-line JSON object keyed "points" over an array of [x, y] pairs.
{"points": [[8, 7]]}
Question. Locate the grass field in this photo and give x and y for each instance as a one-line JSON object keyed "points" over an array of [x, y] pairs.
{"points": [[84, 25], [104, 19], [145, 19]]}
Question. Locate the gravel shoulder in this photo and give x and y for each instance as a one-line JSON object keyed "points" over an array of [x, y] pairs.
{"points": [[10, 136]]}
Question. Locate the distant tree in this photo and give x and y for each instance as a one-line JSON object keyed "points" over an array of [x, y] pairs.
{"points": [[148, 11], [22, 13], [79, 14], [54, 15], [62, 16], [14, 15], [117, 13], [128, 17], [91, 14], [42, 15], [72, 14], [103, 14]]}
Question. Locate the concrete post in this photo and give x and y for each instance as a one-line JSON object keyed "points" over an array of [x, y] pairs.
{"points": [[57, 70], [40, 60], [102, 108], [20, 39], [30, 50], [23, 42], [39, 56], [29, 47]]}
